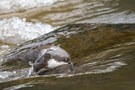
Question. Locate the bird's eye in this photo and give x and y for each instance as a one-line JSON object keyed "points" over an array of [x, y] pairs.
{"points": [[65, 60]]}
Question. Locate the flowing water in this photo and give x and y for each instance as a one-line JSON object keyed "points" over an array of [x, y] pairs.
{"points": [[110, 69]]}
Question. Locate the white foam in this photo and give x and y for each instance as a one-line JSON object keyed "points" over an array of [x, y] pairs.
{"points": [[16, 30], [112, 67], [6, 74], [4, 47], [105, 69], [17, 5]]}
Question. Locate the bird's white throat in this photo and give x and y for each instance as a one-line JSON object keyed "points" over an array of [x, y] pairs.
{"points": [[52, 63]]}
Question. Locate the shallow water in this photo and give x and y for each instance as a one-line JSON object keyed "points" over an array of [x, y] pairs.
{"points": [[110, 69], [32, 17]]}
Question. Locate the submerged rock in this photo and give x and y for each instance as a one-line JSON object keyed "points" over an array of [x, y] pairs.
{"points": [[80, 40]]}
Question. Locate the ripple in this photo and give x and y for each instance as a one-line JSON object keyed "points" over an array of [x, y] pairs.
{"points": [[19, 5], [98, 69], [19, 86], [78, 12]]}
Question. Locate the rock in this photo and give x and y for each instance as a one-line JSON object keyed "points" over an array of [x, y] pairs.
{"points": [[80, 40]]}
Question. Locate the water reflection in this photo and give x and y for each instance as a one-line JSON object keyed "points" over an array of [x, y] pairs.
{"points": [[80, 11]]}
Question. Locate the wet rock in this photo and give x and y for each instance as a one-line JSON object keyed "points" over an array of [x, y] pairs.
{"points": [[80, 40]]}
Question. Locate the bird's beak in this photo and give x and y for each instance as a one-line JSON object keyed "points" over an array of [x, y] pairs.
{"points": [[71, 66]]}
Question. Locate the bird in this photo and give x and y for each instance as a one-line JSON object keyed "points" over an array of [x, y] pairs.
{"points": [[50, 58]]}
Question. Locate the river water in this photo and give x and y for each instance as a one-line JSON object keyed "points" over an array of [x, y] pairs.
{"points": [[23, 20]]}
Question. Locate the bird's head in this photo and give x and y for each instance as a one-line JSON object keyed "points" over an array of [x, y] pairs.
{"points": [[68, 60]]}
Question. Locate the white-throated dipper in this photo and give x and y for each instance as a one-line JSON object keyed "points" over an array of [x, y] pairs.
{"points": [[50, 58]]}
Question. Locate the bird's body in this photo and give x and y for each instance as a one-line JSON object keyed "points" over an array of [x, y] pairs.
{"points": [[51, 58]]}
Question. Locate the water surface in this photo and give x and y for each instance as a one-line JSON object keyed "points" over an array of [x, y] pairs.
{"points": [[110, 69]]}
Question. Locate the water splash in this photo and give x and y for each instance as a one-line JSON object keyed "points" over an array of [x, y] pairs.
{"points": [[89, 68], [6, 74], [16, 30], [13, 75]]}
